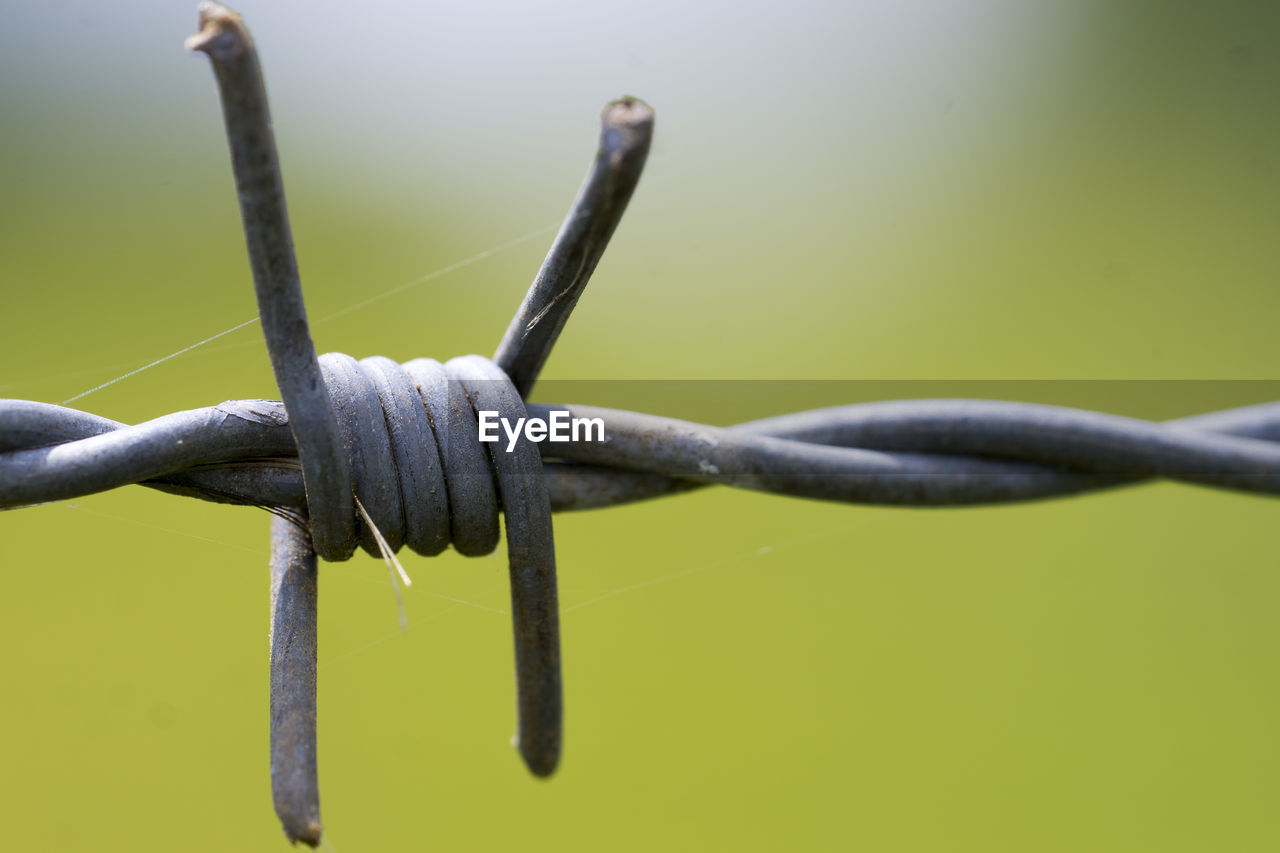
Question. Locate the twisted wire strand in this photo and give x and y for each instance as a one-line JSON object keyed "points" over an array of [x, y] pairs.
{"points": [[899, 453]]}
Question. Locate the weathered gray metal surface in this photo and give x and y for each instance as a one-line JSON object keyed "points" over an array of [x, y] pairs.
{"points": [[295, 786], [901, 453]]}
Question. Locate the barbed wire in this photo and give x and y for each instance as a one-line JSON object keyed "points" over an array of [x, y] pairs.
{"points": [[381, 455]]}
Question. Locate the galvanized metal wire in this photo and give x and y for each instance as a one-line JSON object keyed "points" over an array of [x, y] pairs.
{"points": [[380, 455], [899, 453]]}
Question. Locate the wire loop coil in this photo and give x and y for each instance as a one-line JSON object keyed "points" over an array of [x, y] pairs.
{"points": [[370, 450]]}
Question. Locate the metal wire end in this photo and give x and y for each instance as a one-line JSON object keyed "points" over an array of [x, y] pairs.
{"points": [[531, 556], [626, 131], [295, 786], [326, 475]]}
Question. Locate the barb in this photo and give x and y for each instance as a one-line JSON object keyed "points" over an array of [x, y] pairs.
{"points": [[295, 785], [402, 442], [624, 146], [260, 187]]}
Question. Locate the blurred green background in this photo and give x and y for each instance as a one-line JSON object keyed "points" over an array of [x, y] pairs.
{"points": [[851, 190]]}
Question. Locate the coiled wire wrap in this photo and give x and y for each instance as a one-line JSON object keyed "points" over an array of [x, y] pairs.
{"points": [[419, 470]]}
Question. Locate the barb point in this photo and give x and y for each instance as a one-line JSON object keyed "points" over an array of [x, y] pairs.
{"points": [[628, 125], [627, 111], [222, 32]]}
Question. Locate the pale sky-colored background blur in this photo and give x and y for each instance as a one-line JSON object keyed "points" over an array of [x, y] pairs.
{"points": [[905, 190]]}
